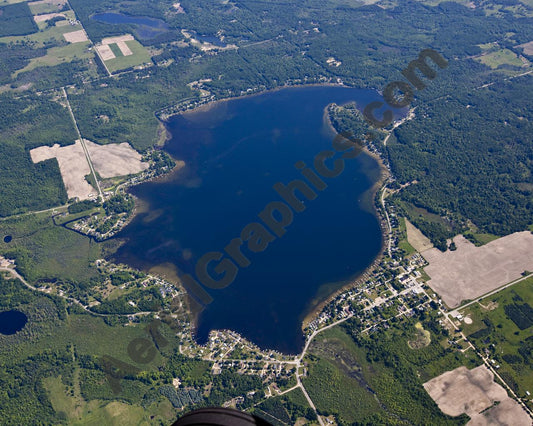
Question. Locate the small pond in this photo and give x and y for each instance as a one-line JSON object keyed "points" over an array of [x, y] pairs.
{"points": [[12, 321]]}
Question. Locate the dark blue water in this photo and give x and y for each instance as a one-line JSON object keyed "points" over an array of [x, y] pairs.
{"points": [[12, 321], [146, 28], [235, 152]]}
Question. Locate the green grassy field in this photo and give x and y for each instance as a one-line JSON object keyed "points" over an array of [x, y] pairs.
{"points": [[403, 244], [41, 8], [72, 217], [116, 50], [58, 55], [499, 58], [492, 329], [485, 238], [140, 56]]}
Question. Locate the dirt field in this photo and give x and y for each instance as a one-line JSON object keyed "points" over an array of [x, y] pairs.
{"points": [[126, 51], [472, 391], [118, 39], [73, 166], [470, 271], [528, 48], [46, 17], [105, 52], [108, 160], [115, 159], [507, 413], [418, 240], [76, 36]]}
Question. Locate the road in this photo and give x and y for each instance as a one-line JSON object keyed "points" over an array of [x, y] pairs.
{"points": [[456, 310], [488, 364], [51, 209], [388, 219], [85, 150], [13, 272]]}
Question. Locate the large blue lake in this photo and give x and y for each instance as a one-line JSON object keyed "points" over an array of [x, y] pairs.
{"points": [[234, 153]]}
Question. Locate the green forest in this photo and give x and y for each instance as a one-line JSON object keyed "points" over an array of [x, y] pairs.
{"points": [[26, 123], [16, 19], [471, 157]]}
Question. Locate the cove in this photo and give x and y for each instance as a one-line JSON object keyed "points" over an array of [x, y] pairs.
{"points": [[12, 321], [235, 151]]}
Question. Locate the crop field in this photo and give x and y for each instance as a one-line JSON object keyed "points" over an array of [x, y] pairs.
{"points": [[471, 271], [418, 240], [475, 393], [503, 325], [139, 56], [58, 44]]}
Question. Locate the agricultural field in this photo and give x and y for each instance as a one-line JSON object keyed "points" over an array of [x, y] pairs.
{"points": [[470, 272], [378, 378], [120, 53], [58, 40], [502, 326], [475, 393], [415, 238], [58, 55]]}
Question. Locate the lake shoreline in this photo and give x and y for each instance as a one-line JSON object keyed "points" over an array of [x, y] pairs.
{"points": [[353, 282], [380, 173], [207, 106]]}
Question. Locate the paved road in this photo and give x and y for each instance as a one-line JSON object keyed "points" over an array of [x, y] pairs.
{"points": [[388, 220], [488, 364]]}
